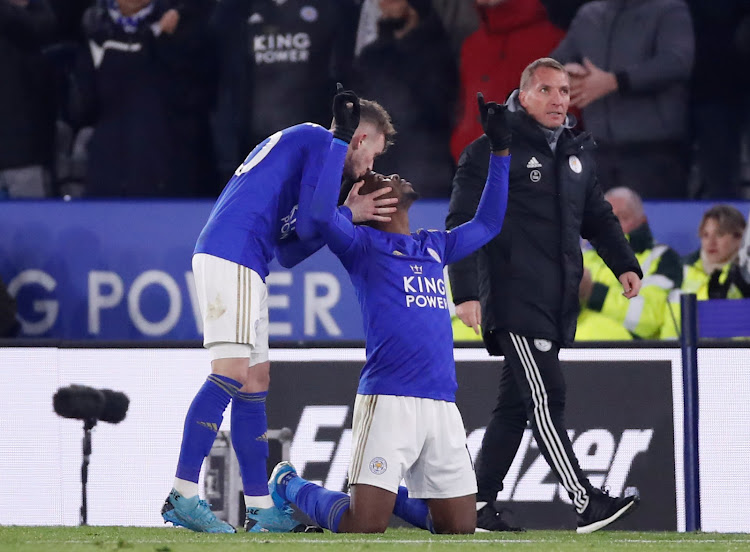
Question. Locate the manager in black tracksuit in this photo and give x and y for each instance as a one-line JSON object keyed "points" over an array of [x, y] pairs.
{"points": [[527, 280]]}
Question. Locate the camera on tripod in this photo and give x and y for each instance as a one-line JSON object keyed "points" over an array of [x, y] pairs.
{"points": [[80, 402]]}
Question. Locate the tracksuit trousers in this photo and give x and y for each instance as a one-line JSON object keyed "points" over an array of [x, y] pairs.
{"points": [[532, 388]]}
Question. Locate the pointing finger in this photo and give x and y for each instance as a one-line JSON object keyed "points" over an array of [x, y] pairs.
{"points": [[480, 100]]}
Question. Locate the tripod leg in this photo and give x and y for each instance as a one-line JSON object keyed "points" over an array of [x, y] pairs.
{"points": [[85, 468]]}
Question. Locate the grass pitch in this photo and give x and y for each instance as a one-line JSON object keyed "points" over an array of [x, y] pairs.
{"points": [[139, 539]]}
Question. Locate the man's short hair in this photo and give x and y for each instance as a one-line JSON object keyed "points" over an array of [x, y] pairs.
{"points": [[631, 197], [375, 114], [729, 220], [531, 68]]}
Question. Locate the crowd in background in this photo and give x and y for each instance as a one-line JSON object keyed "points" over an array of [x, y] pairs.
{"points": [[164, 98]]}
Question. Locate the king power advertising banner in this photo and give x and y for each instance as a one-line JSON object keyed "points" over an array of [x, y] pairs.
{"points": [[106, 270], [122, 271]]}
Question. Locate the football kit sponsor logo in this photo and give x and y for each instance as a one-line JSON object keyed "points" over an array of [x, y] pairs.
{"points": [[281, 48], [289, 223], [533, 164], [213, 427], [422, 291]]}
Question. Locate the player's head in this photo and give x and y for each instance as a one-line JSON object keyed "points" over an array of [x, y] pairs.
{"points": [[545, 92], [372, 137], [400, 188]]}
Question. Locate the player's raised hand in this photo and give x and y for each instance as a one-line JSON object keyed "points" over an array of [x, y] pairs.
{"points": [[495, 123], [346, 113], [370, 206]]}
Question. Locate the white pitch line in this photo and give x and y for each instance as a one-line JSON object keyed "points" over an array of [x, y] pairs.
{"points": [[516, 541], [422, 541], [309, 541]]}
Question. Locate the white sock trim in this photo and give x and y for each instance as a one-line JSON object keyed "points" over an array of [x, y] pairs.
{"points": [[258, 501], [188, 489]]}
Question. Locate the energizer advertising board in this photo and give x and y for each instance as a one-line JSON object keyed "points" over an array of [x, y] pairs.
{"points": [[619, 416], [624, 414]]}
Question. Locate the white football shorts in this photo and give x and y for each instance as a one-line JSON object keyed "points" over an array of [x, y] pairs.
{"points": [[422, 441], [233, 300]]}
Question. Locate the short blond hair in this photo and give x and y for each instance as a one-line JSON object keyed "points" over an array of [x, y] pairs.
{"points": [[531, 68], [372, 112]]}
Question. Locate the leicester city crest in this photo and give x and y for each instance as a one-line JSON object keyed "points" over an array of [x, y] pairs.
{"points": [[378, 465], [543, 345]]}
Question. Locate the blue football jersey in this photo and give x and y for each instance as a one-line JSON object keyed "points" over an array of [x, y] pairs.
{"points": [[260, 205], [400, 284]]}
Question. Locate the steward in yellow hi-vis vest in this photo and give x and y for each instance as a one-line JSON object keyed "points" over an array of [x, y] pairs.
{"points": [[710, 272], [606, 315]]}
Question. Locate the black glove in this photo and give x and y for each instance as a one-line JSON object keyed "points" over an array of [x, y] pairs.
{"points": [[495, 123], [346, 116]]}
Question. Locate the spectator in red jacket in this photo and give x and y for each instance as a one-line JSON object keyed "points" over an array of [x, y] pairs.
{"points": [[512, 34]]}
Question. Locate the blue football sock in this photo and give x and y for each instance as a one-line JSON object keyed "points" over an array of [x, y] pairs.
{"points": [[323, 506], [250, 442], [413, 510], [202, 422]]}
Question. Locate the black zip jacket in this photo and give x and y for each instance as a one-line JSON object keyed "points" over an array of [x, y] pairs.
{"points": [[27, 103], [527, 277]]}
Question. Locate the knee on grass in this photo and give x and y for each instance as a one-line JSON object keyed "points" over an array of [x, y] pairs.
{"points": [[354, 525], [455, 528]]}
